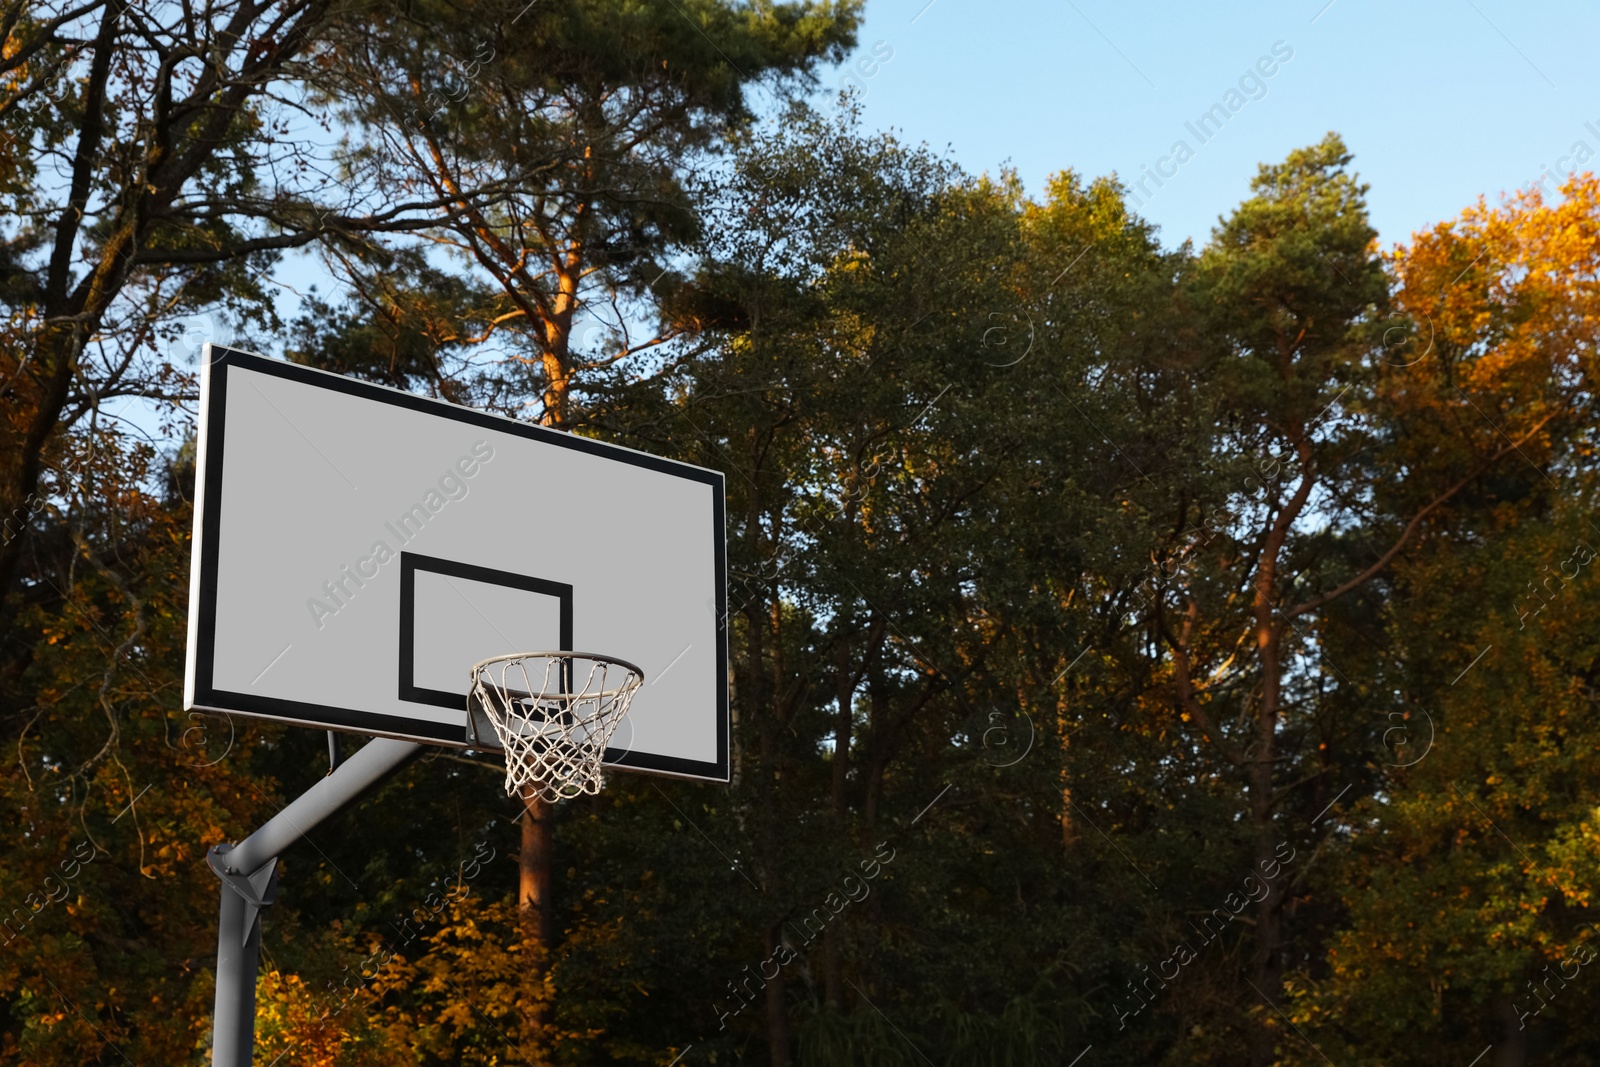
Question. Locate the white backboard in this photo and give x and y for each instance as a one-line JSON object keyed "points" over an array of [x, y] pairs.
{"points": [[357, 549]]}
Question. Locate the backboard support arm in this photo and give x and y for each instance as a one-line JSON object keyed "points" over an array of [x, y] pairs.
{"points": [[248, 872]]}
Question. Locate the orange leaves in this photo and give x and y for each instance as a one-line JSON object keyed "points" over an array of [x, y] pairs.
{"points": [[288, 1017], [1492, 358], [1504, 296]]}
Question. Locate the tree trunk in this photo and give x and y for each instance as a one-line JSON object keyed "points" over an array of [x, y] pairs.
{"points": [[1268, 958], [844, 709], [1069, 825], [535, 888], [762, 621], [26, 464], [777, 1004], [535, 909], [1511, 1034]]}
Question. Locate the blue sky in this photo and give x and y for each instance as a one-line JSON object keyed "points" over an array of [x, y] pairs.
{"points": [[1440, 101]]}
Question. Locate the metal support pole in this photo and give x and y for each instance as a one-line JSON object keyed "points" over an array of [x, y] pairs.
{"points": [[249, 877], [238, 957]]}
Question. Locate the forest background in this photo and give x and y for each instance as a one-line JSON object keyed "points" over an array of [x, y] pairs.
{"points": [[1138, 653]]}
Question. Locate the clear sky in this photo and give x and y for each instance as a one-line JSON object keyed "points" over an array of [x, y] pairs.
{"points": [[1440, 100]]}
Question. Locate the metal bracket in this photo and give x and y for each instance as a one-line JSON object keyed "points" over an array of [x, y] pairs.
{"points": [[248, 872], [480, 735], [257, 890]]}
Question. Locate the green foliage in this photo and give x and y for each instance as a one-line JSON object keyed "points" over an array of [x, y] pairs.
{"points": [[1072, 580]]}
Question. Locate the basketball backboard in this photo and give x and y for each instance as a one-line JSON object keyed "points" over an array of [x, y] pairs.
{"points": [[357, 549]]}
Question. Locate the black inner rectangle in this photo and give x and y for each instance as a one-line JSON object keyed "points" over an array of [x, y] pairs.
{"points": [[410, 564]]}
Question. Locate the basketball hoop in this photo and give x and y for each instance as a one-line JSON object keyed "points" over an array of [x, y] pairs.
{"points": [[554, 730]]}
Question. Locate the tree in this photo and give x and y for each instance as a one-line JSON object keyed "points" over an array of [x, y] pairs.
{"points": [[903, 573], [139, 156], [1077, 583], [1466, 887], [560, 154], [170, 130]]}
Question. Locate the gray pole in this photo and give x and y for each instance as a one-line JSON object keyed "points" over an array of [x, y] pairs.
{"points": [[238, 955], [378, 758], [249, 879]]}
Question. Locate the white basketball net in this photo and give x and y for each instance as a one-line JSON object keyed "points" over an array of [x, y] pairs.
{"points": [[554, 713]]}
